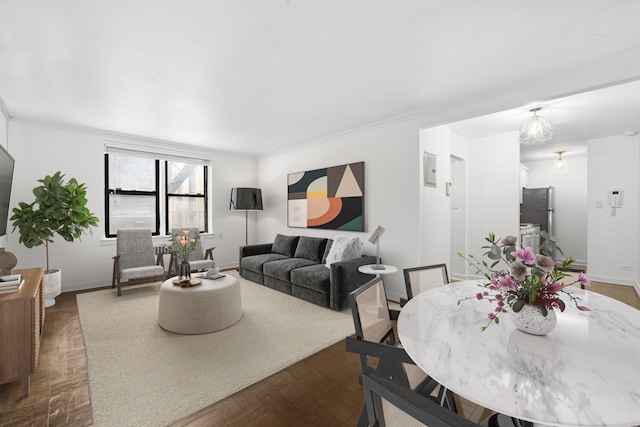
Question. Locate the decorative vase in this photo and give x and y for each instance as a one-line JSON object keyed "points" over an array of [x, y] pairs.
{"points": [[185, 271], [531, 320], [52, 286]]}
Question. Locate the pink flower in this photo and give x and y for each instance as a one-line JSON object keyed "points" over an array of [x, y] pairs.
{"points": [[524, 255], [518, 270], [509, 240], [555, 287], [582, 278], [506, 283], [491, 316], [479, 296], [544, 263]]}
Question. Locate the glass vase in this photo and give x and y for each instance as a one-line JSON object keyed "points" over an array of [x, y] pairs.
{"points": [[185, 271]]}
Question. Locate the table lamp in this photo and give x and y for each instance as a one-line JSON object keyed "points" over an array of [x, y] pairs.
{"points": [[375, 239]]}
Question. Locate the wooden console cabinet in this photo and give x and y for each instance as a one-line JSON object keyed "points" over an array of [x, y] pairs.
{"points": [[21, 323]]}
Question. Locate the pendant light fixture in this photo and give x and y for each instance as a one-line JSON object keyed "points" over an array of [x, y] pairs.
{"points": [[536, 130], [560, 162]]}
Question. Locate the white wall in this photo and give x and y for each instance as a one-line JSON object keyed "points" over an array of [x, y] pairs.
{"points": [[570, 203], [435, 206], [493, 172], [41, 150], [613, 240], [392, 159], [488, 197]]}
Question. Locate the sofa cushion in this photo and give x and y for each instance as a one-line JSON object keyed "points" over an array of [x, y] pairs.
{"points": [[281, 269], [344, 248], [314, 277], [285, 245], [311, 248], [256, 262]]}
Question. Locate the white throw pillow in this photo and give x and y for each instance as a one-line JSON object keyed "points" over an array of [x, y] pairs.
{"points": [[344, 248]]}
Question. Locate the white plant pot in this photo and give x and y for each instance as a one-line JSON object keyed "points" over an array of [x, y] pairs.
{"points": [[52, 286], [531, 320]]}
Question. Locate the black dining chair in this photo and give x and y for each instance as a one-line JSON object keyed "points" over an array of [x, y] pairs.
{"points": [[392, 405], [376, 343], [419, 279]]}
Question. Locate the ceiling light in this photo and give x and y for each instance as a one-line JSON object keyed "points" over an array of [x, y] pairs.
{"points": [[536, 129], [560, 162]]}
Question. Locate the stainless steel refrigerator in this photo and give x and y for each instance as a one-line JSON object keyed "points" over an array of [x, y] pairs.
{"points": [[537, 208]]}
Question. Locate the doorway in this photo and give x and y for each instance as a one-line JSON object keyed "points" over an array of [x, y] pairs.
{"points": [[457, 194]]}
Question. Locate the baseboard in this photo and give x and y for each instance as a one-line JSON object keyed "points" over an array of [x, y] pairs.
{"points": [[613, 281], [84, 286]]}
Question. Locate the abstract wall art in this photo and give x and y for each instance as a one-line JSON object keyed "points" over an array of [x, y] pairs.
{"points": [[330, 198]]}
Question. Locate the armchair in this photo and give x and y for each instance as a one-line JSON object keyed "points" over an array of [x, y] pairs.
{"points": [[134, 261]]}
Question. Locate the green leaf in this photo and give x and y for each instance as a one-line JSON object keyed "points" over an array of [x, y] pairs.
{"points": [[517, 306]]}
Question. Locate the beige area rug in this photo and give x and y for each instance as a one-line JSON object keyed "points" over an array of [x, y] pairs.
{"points": [[142, 375]]}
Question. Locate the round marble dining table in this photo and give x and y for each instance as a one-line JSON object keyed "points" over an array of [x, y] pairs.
{"points": [[586, 372]]}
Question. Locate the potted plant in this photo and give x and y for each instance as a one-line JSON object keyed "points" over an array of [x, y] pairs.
{"points": [[59, 208]]}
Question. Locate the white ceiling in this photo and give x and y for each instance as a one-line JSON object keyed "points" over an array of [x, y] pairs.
{"points": [[257, 76]]}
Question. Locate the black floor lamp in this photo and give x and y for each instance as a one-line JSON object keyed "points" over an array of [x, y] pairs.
{"points": [[246, 199]]}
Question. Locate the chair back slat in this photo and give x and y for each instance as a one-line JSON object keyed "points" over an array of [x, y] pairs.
{"points": [[371, 311], [389, 404], [420, 279]]}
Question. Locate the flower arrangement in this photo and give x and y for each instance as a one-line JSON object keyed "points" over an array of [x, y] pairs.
{"points": [[530, 278], [181, 246]]}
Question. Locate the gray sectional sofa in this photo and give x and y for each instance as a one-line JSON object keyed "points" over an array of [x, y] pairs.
{"points": [[296, 265]]}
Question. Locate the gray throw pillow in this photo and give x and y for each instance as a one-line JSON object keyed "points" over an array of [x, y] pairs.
{"points": [[285, 245], [311, 248]]}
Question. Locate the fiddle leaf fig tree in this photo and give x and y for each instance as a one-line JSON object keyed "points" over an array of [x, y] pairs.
{"points": [[59, 208]]}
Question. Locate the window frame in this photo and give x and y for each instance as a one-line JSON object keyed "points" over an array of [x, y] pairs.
{"points": [[109, 191], [168, 195], [158, 154]]}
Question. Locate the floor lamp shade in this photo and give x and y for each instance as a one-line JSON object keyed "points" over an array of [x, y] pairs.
{"points": [[246, 199]]}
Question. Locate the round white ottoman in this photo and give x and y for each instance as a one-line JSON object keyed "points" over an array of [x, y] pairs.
{"points": [[211, 306]]}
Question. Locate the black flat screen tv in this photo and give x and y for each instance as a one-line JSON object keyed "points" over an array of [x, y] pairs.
{"points": [[6, 178]]}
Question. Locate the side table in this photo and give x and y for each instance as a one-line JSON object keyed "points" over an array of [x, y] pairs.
{"points": [[368, 269]]}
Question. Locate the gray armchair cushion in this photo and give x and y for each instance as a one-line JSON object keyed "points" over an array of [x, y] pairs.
{"points": [[135, 247], [201, 264], [141, 272], [311, 248], [285, 245], [197, 254]]}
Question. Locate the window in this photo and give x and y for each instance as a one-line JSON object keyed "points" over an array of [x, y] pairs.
{"points": [[186, 201], [132, 193]]}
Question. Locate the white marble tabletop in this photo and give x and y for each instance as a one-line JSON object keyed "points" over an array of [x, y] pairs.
{"points": [[586, 372]]}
